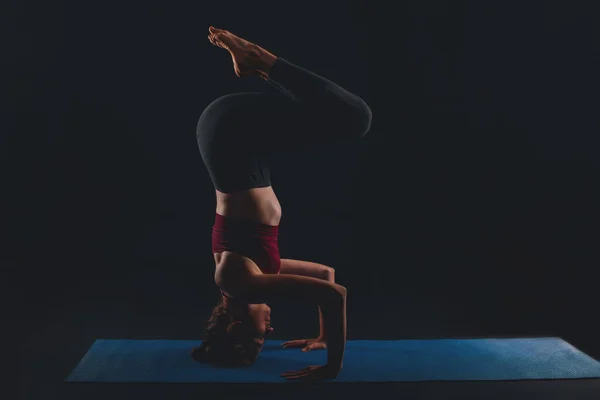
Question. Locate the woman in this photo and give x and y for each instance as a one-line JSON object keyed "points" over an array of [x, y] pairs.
{"points": [[235, 135]]}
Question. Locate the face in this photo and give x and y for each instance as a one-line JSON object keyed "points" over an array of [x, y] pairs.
{"points": [[260, 315]]}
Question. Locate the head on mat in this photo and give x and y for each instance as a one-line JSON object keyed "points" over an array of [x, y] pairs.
{"points": [[235, 334]]}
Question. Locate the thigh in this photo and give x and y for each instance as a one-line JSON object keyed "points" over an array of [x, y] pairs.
{"points": [[274, 123], [307, 268]]}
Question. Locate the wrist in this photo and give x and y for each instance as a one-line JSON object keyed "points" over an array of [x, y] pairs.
{"points": [[336, 365], [334, 360]]}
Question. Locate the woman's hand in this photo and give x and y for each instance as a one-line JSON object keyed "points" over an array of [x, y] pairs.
{"points": [[313, 373], [306, 344]]}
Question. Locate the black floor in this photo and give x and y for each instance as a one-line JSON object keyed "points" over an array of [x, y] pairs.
{"points": [[58, 331]]}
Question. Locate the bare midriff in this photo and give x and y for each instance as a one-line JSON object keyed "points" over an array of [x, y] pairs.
{"points": [[259, 205]]}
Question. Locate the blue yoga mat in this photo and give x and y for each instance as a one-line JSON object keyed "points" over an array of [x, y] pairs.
{"points": [[365, 361]]}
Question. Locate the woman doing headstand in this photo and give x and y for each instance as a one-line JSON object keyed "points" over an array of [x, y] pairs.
{"points": [[235, 135]]}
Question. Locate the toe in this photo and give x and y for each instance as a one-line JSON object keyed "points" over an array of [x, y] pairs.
{"points": [[220, 39], [212, 29]]}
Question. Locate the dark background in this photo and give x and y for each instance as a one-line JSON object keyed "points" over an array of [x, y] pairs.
{"points": [[470, 209]]}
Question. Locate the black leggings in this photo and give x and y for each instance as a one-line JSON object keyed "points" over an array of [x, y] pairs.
{"points": [[238, 131]]}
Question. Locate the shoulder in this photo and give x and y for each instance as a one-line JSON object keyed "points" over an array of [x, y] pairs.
{"points": [[232, 271]]}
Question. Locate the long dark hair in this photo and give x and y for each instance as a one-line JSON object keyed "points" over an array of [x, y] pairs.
{"points": [[222, 346]]}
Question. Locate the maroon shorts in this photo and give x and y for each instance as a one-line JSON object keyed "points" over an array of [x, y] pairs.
{"points": [[251, 239]]}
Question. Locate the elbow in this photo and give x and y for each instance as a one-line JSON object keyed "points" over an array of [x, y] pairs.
{"points": [[341, 291], [335, 297], [329, 274], [360, 120]]}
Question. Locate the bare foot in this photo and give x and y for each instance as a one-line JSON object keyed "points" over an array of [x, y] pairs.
{"points": [[248, 58]]}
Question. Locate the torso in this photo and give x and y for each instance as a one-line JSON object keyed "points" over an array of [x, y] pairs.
{"points": [[260, 205]]}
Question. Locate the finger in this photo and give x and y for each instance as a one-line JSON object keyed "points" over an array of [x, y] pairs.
{"points": [[293, 343], [307, 376], [307, 349], [296, 372], [291, 378], [299, 374]]}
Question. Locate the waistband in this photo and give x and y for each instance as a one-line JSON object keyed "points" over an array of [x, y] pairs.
{"points": [[223, 223]]}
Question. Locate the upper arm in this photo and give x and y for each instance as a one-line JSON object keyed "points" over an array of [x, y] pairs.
{"points": [[307, 268], [264, 288]]}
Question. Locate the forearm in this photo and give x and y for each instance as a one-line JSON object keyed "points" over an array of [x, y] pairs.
{"points": [[330, 277], [322, 330], [334, 314]]}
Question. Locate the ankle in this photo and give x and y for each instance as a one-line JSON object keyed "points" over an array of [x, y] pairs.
{"points": [[265, 62]]}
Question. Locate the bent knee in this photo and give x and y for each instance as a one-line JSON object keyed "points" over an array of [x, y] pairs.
{"points": [[365, 117], [358, 123]]}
